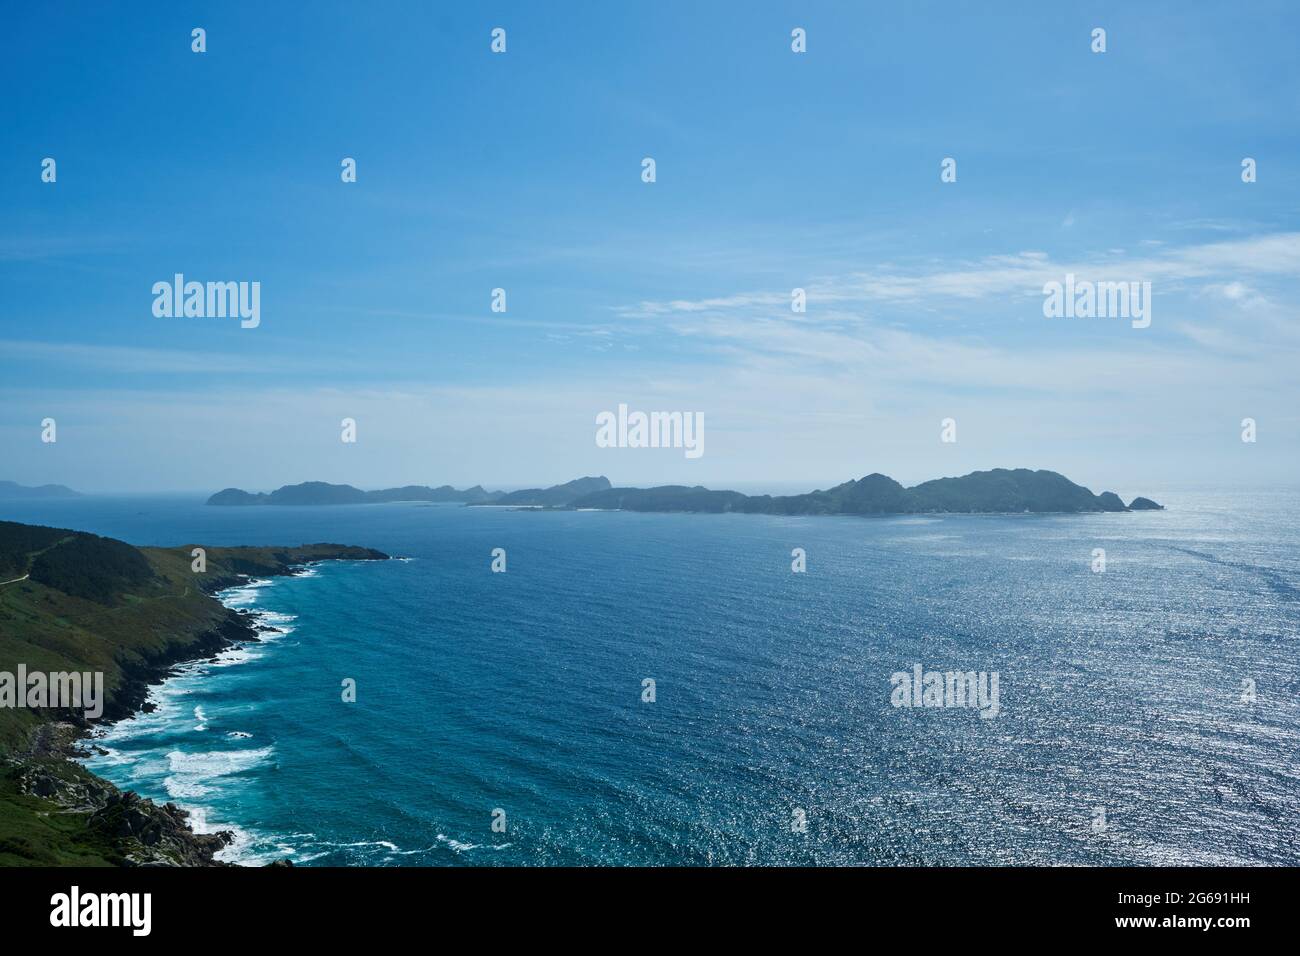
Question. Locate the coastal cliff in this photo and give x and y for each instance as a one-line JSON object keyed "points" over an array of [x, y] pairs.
{"points": [[72, 601]]}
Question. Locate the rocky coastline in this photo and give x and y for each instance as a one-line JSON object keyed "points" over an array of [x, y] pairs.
{"points": [[124, 828]]}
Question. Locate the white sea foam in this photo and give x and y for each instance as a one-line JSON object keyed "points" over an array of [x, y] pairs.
{"points": [[346, 846], [166, 710], [191, 776], [313, 849], [283, 624], [241, 840], [457, 845], [244, 594], [218, 763], [186, 777], [460, 847], [148, 767], [234, 655], [183, 788], [276, 618], [113, 758]]}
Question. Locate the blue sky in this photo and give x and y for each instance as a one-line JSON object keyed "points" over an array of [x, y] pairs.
{"points": [[775, 170]]}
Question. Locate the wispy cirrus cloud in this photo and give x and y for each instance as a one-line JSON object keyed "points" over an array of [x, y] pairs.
{"points": [[135, 359], [1014, 274], [937, 321]]}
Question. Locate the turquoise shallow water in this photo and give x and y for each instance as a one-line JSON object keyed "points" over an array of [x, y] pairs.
{"points": [[522, 691]]}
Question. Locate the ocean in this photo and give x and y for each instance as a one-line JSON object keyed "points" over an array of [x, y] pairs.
{"points": [[1147, 714]]}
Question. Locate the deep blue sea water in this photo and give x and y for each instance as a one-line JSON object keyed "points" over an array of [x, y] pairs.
{"points": [[522, 691]]}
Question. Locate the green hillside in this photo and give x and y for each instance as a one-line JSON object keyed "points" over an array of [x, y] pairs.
{"points": [[95, 604]]}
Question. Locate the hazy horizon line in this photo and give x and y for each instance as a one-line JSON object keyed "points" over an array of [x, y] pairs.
{"points": [[748, 486]]}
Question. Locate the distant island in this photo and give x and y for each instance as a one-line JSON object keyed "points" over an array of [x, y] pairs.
{"points": [[74, 602], [10, 490], [322, 493], [999, 491], [557, 496]]}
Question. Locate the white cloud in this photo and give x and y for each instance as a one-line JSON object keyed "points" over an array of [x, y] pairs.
{"points": [[1020, 274], [852, 386]]}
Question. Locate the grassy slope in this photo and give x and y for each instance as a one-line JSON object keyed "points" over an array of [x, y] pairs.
{"points": [[36, 832], [168, 616]]}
